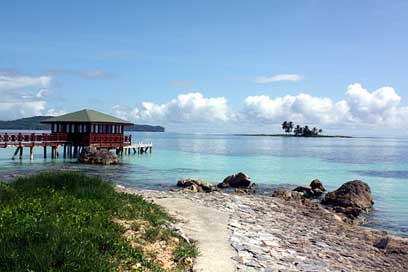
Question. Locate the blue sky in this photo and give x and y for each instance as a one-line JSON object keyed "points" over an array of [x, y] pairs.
{"points": [[113, 56]]}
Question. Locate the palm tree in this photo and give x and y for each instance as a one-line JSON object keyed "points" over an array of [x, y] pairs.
{"points": [[290, 126], [285, 126]]}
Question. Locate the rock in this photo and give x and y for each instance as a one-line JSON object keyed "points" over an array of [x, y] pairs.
{"points": [[317, 187], [351, 198], [238, 180], [306, 191], [288, 195], [195, 185], [392, 245], [246, 191], [94, 156]]}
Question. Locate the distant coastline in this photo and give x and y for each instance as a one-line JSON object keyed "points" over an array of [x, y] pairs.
{"points": [[34, 123], [291, 135]]}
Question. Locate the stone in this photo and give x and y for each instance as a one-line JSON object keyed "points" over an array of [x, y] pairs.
{"points": [[195, 185], [288, 195], [92, 155], [238, 180], [317, 187], [392, 245], [306, 191], [352, 198]]}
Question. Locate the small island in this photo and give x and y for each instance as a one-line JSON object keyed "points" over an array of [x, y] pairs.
{"points": [[296, 131]]}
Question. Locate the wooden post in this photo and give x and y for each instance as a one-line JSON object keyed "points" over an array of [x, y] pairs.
{"points": [[45, 151], [15, 153], [21, 152], [31, 153], [52, 152], [75, 151], [65, 151]]}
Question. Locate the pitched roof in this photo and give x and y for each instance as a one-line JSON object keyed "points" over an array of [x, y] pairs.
{"points": [[87, 116]]}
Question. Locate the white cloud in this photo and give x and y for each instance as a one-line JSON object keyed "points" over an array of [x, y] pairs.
{"points": [[360, 107], [280, 77], [186, 108], [15, 110], [15, 82], [23, 96]]}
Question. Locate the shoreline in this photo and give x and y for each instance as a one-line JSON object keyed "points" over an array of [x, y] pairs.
{"points": [[270, 233]]}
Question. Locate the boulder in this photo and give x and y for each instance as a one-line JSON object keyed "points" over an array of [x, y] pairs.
{"points": [[317, 187], [195, 185], [246, 191], [392, 245], [288, 195], [236, 181], [351, 198], [305, 190], [94, 156]]}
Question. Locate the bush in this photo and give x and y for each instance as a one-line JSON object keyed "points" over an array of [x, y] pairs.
{"points": [[64, 222]]}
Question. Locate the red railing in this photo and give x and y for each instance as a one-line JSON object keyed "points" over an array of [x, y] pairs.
{"points": [[91, 139], [32, 137], [109, 139]]}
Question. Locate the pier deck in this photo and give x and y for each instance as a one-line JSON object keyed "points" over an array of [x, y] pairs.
{"points": [[122, 144]]}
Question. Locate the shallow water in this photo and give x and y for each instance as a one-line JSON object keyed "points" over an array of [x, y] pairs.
{"points": [[270, 161]]}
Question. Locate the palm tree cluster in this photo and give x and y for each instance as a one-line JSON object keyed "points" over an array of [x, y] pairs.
{"points": [[305, 131]]}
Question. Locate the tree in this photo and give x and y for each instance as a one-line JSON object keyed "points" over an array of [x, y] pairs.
{"points": [[285, 126], [290, 126]]}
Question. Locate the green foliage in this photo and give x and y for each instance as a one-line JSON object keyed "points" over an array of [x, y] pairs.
{"points": [[185, 250], [64, 222]]}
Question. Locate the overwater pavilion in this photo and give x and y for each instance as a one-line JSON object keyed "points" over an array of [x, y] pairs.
{"points": [[74, 131]]}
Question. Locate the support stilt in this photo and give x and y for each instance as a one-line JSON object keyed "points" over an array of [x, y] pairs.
{"points": [[31, 153], [15, 153], [45, 151], [21, 152]]}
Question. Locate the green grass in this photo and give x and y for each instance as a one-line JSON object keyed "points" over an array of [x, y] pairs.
{"points": [[64, 222]]}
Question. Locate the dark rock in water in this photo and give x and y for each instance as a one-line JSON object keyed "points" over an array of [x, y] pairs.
{"points": [[195, 185], [352, 198], [94, 156], [317, 187], [288, 195], [306, 191], [236, 181]]}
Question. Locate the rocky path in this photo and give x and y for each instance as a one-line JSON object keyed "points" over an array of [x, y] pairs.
{"points": [[208, 227], [269, 234]]}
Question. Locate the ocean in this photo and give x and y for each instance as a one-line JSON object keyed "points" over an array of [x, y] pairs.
{"points": [[271, 162]]}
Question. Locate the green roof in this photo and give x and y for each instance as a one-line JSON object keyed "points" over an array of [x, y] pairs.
{"points": [[87, 116]]}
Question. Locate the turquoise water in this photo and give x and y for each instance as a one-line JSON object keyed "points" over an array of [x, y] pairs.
{"points": [[270, 161]]}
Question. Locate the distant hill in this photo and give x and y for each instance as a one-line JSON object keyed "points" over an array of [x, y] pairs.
{"points": [[34, 123]]}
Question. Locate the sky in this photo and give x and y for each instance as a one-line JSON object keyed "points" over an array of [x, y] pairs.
{"points": [[210, 66]]}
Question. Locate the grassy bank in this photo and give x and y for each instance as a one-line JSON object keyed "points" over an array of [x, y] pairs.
{"points": [[73, 222]]}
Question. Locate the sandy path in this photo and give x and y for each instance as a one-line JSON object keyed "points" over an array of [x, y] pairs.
{"points": [[207, 226]]}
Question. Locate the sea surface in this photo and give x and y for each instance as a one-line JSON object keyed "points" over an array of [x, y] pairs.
{"points": [[270, 161]]}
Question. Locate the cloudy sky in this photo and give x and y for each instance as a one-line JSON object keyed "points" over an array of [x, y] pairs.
{"points": [[207, 66]]}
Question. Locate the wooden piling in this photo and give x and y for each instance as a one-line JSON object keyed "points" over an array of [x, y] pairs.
{"points": [[15, 153], [21, 152], [45, 151]]}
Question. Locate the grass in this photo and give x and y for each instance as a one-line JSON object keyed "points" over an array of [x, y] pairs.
{"points": [[66, 222]]}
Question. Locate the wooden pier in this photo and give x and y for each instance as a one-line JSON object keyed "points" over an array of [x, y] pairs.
{"points": [[56, 141], [139, 148]]}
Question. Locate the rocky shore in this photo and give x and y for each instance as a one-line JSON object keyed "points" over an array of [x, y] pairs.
{"points": [[277, 234]]}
